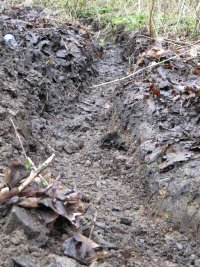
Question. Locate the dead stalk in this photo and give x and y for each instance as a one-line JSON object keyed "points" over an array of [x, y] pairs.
{"points": [[35, 173], [151, 21], [133, 74], [34, 168], [93, 224], [145, 68], [25, 155], [18, 136]]}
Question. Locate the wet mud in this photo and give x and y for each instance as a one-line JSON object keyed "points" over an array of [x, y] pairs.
{"points": [[133, 152]]}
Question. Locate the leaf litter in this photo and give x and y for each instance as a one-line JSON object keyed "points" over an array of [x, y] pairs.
{"points": [[177, 81], [52, 201], [58, 56]]}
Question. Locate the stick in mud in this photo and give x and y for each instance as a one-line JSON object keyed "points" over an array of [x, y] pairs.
{"points": [[18, 136], [143, 69], [35, 173], [93, 224], [25, 155], [29, 179]]}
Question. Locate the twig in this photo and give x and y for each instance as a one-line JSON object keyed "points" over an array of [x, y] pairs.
{"points": [[181, 108], [93, 224], [32, 163], [168, 40], [56, 180], [2, 185], [35, 173], [143, 69], [18, 136], [58, 177], [179, 43], [34, 168], [193, 44], [133, 74], [25, 155], [8, 194], [15, 191]]}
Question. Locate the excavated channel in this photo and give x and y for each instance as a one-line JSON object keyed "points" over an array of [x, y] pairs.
{"points": [[96, 134]]}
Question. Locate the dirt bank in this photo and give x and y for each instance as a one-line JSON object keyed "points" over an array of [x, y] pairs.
{"points": [[164, 125]]}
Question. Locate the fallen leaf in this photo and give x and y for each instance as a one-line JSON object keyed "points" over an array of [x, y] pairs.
{"points": [[83, 249], [15, 173], [173, 158], [196, 70], [70, 211], [195, 146], [156, 52], [30, 202], [48, 215]]}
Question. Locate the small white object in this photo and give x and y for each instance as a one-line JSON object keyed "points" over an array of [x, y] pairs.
{"points": [[10, 39], [4, 190]]}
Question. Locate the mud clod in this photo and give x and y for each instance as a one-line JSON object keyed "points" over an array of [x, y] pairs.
{"points": [[22, 262], [19, 218]]}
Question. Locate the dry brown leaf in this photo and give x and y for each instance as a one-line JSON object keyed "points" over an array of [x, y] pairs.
{"points": [[83, 249], [156, 52], [30, 202], [15, 173], [172, 158], [59, 208], [48, 215], [196, 70], [60, 201]]}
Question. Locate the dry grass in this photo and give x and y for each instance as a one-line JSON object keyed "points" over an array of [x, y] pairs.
{"points": [[175, 17]]}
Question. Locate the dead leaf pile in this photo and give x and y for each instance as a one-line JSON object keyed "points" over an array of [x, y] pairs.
{"points": [[54, 196], [52, 202]]}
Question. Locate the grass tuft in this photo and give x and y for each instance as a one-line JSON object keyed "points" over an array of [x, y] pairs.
{"points": [[174, 17]]}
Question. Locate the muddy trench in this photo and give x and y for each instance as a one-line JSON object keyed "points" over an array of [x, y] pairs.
{"points": [[131, 152]]}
